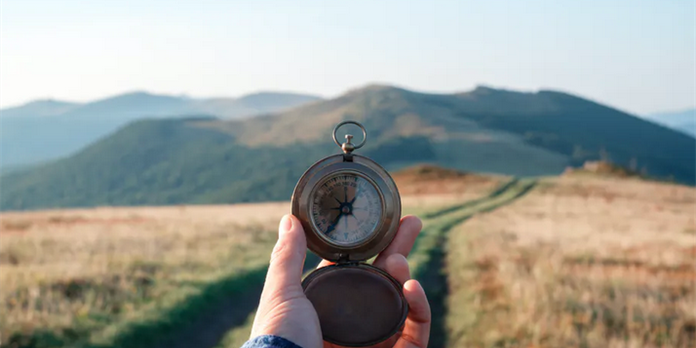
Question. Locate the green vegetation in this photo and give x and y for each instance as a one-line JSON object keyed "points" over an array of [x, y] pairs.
{"points": [[583, 130], [163, 162], [427, 261], [260, 159]]}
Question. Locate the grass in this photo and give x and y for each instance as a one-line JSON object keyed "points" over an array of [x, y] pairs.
{"points": [[426, 245], [136, 277], [576, 262], [590, 263], [428, 259], [236, 337], [422, 206], [106, 280]]}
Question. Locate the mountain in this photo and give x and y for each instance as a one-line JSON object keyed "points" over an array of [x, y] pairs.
{"points": [[488, 130], [208, 160], [48, 129], [683, 121], [30, 138], [251, 104], [39, 108]]}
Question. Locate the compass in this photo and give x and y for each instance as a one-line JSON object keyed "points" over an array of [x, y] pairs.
{"points": [[350, 209]]}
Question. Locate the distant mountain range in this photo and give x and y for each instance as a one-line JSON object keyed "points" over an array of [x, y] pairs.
{"points": [[210, 160], [683, 121], [48, 129]]}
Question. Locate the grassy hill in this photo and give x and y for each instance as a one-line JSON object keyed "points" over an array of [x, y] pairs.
{"points": [[530, 133], [208, 160], [582, 130], [151, 162]]}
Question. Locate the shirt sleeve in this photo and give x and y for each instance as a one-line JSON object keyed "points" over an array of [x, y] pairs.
{"points": [[268, 341]]}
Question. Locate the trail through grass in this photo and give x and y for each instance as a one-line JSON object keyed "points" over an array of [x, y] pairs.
{"points": [[220, 312], [427, 257]]}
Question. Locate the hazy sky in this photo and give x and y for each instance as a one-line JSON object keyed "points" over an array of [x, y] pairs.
{"points": [[636, 55]]}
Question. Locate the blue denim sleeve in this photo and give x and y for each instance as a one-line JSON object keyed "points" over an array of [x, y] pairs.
{"points": [[268, 341]]}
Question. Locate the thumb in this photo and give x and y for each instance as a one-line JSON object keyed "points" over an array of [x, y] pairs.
{"points": [[287, 259]]}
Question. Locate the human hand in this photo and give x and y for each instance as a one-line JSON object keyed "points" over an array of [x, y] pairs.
{"points": [[285, 311]]}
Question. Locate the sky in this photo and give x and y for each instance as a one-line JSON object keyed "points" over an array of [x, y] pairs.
{"points": [[638, 56]]}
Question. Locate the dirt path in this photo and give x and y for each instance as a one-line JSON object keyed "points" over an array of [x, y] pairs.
{"points": [[432, 275]]}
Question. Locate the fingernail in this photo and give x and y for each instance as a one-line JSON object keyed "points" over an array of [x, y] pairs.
{"points": [[285, 223]]}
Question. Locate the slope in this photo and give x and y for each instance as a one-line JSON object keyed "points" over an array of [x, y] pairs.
{"points": [[584, 130], [391, 114], [543, 131], [152, 162]]}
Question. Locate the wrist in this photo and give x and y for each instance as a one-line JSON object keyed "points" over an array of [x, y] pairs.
{"points": [[269, 341]]}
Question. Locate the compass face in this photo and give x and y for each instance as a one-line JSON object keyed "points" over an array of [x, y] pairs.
{"points": [[346, 209]]}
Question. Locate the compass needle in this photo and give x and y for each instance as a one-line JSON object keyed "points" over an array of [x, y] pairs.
{"points": [[357, 191]]}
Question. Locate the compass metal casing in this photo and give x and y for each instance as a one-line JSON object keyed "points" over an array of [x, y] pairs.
{"points": [[389, 196]]}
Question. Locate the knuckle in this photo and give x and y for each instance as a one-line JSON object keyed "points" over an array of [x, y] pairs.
{"points": [[278, 253], [283, 252], [416, 341]]}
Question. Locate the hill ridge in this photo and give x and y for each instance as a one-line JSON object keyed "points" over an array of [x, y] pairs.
{"points": [[27, 136], [259, 159]]}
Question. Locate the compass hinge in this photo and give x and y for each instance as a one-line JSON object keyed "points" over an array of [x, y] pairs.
{"points": [[348, 148], [343, 258]]}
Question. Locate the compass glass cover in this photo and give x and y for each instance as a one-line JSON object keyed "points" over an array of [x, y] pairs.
{"points": [[346, 209]]}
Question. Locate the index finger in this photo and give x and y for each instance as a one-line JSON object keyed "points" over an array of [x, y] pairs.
{"points": [[409, 228]]}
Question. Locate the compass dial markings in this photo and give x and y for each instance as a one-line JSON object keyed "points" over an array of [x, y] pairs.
{"points": [[350, 198]]}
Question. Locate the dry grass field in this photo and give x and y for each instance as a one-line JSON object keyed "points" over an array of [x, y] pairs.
{"points": [[74, 272], [575, 261], [85, 277], [579, 262]]}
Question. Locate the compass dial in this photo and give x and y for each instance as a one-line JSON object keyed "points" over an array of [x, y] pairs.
{"points": [[346, 209]]}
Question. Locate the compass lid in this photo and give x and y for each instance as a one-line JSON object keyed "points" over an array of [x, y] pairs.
{"points": [[357, 304]]}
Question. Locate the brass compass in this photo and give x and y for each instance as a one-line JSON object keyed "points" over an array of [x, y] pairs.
{"points": [[350, 209]]}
